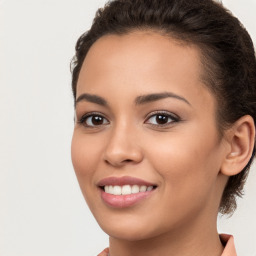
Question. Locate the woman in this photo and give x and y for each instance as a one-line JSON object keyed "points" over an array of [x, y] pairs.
{"points": [[165, 124]]}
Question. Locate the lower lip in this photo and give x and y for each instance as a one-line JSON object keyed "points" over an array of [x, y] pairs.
{"points": [[122, 201]]}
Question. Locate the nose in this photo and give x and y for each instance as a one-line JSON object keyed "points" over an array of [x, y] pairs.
{"points": [[123, 148]]}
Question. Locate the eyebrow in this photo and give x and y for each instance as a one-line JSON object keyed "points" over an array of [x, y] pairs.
{"points": [[91, 98], [143, 99], [158, 96]]}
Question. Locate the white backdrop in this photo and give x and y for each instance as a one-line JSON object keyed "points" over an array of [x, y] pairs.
{"points": [[42, 212]]}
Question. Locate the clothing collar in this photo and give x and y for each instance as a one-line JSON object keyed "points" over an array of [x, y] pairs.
{"points": [[227, 241]]}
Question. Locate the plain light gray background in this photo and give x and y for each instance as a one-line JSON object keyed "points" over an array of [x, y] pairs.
{"points": [[42, 212]]}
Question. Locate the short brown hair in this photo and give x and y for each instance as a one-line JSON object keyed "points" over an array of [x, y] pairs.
{"points": [[227, 55]]}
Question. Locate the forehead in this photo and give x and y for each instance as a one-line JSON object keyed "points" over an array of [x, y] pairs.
{"points": [[142, 58], [142, 50]]}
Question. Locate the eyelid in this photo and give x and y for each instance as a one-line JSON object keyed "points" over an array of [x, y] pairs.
{"points": [[175, 118], [163, 112], [82, 119]]}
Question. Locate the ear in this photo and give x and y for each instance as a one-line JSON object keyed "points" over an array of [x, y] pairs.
{"points": [[240, 138]]}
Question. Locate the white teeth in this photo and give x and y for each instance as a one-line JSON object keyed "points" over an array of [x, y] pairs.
{"points": [[135, 189], [117, 190], [149, 188], [126, 189], [111, 190], [106, 189], [143, 188]]}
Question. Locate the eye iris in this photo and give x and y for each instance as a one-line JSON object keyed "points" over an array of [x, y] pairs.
{"points": [[97, 120], [161, 119]]}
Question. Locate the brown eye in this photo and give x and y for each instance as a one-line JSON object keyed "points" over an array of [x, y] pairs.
{"points": [[93, 120], [161, 119], [97, 120]]}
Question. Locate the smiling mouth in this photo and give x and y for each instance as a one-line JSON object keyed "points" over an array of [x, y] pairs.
{"points": [[126, 189]]}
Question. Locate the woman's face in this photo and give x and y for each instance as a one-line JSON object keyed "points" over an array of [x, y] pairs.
{"points": [[146, 133]]}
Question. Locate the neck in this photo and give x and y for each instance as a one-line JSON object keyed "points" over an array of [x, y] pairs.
{"points": [[196, 240]]}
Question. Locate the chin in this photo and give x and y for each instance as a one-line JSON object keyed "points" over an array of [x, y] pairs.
{"points": [[131, 234], [130, 230]]}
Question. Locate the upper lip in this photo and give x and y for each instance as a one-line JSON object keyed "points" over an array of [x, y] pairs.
{"points": [[124, 180]]}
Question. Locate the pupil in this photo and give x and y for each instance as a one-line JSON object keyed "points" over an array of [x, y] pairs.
{"points": [[97, 120], [161, 119]]}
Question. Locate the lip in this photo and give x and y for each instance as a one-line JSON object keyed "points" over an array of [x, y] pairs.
{"points": [[123, 201]]}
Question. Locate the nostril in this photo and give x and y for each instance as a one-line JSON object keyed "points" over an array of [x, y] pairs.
{"points": [[127, 160]]}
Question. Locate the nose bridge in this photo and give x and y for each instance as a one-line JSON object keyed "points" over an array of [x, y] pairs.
{"points": [[122, 146]]}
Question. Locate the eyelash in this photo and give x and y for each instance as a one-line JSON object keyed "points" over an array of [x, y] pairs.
{"points": [[165, 114], [85, 117]]}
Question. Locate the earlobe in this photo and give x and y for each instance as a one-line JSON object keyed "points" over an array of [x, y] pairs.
{"points": [[241, 139]]}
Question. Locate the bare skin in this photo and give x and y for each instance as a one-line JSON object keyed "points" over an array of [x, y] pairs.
{"points": [[171, 141]]}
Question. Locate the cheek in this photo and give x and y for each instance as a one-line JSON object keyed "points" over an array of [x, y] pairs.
{"points": [[188, 165], [85, 155]]}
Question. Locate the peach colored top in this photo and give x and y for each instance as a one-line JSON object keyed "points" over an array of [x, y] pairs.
{"points": [[227, 240], [229, 249]]}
